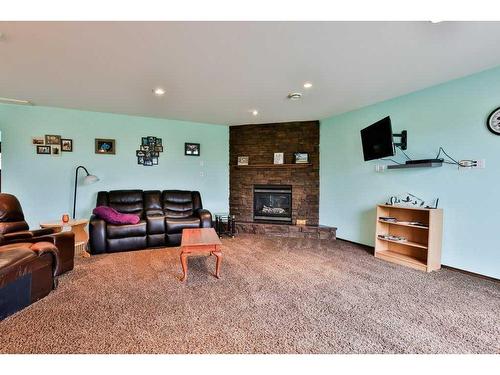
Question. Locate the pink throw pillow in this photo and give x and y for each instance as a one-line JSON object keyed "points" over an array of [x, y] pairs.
{"points": [[111, 216]]}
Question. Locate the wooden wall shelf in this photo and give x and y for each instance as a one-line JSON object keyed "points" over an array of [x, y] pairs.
{"points": [[422, 250], [267, 166]]}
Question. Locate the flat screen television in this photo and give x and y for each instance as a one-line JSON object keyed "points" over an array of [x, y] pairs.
{"points": [[377, 140]]}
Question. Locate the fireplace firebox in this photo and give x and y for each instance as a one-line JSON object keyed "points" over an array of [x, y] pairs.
{"points": [[272, 203]]}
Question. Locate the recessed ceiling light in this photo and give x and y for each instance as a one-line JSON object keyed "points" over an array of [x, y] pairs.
{"points": [[159, 91], [294, 96], [308, 85], [255, 112]]}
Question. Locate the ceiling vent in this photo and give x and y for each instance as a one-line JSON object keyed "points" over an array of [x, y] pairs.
{"points": [[294, 96]]}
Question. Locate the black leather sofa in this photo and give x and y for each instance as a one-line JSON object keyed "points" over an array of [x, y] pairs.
{"points": [[164, 214]]}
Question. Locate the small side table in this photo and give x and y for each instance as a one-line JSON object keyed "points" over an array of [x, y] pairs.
{"points": [[78, 228], [225, 224]]}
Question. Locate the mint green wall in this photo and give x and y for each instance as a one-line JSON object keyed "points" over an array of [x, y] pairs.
{"points": [[44, 183], [451, 115]]}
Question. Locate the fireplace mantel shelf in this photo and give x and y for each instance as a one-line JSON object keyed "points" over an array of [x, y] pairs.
{"points": [[266, 166]]}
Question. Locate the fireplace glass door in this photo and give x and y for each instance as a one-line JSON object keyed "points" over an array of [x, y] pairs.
{"points": [[272, 203]]}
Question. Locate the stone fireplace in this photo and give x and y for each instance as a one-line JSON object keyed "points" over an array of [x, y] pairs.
{"points": [[272, 203], [259, 143], [268, 198]]}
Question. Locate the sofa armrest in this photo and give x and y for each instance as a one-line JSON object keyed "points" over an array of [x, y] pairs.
{"points": [[65, 244], [97, 234], [24, 236], [205, 218], [14, 237], [42, 232]]}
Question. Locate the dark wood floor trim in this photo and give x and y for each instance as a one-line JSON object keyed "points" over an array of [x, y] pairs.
{"points": [[371, 250]]}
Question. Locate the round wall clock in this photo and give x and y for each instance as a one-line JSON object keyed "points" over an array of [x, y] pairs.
{"points": [[493, 122]]}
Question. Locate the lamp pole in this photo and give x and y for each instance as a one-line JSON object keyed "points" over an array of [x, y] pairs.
{"points": [[76, 186]]}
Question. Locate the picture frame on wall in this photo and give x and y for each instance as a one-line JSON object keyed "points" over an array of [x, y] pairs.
{"points": [[191, 149], [43, 150], [38, 140], [56, 150], [301, 158], [105, 146], [66, 145], [51, 139]]}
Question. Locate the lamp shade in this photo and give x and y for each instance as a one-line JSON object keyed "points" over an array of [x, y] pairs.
{"points": [[90, 179]]}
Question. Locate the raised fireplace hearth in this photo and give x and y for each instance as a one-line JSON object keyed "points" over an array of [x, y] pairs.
{"points": [[272, 203]]}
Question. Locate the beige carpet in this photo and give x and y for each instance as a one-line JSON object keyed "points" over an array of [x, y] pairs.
{"points": [[275, 296]]}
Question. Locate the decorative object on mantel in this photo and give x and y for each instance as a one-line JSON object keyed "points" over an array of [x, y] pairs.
{"points": [[149, 151], [105, 146], [412, 201], [191, 149], [301, 158], [242, 160], [279, 158], [493, 122], [66, 145]]}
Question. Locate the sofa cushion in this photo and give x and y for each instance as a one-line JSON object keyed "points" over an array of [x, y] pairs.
{"points": [[126, 201], [177, 203], [127, 230], [177, 224]]}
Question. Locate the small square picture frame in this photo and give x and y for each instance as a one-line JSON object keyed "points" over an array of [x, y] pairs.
{"points": [[43, 150], [56, 150], [192, 149], [301, 158], [66, 145], [279, 158], [243, 160]]}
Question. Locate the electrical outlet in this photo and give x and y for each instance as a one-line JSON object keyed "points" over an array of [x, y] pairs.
{"points": [[473, 164]]}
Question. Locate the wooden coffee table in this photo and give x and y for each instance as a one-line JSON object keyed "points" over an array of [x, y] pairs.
{"points": [[200, 241]]}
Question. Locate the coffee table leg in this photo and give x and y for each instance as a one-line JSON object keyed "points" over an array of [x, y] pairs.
{"points": [[184, 266], [218, 255]]}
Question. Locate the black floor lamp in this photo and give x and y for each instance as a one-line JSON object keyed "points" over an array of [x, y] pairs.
{"points": [[89, 179]]}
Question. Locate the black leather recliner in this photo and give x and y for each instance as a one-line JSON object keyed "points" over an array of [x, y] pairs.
{"points": [[163, 217]]}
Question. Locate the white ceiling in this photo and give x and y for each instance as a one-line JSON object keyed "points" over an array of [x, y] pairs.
{"points": [[216, 72]]}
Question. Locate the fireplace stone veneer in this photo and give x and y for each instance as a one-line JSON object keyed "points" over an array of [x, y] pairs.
{"points": [[259, 143]]}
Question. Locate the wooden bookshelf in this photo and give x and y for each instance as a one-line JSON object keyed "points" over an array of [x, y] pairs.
{"points": [[422, 248]]}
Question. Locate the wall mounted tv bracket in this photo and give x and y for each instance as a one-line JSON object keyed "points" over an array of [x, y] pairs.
{"points": [[404, 138]]}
